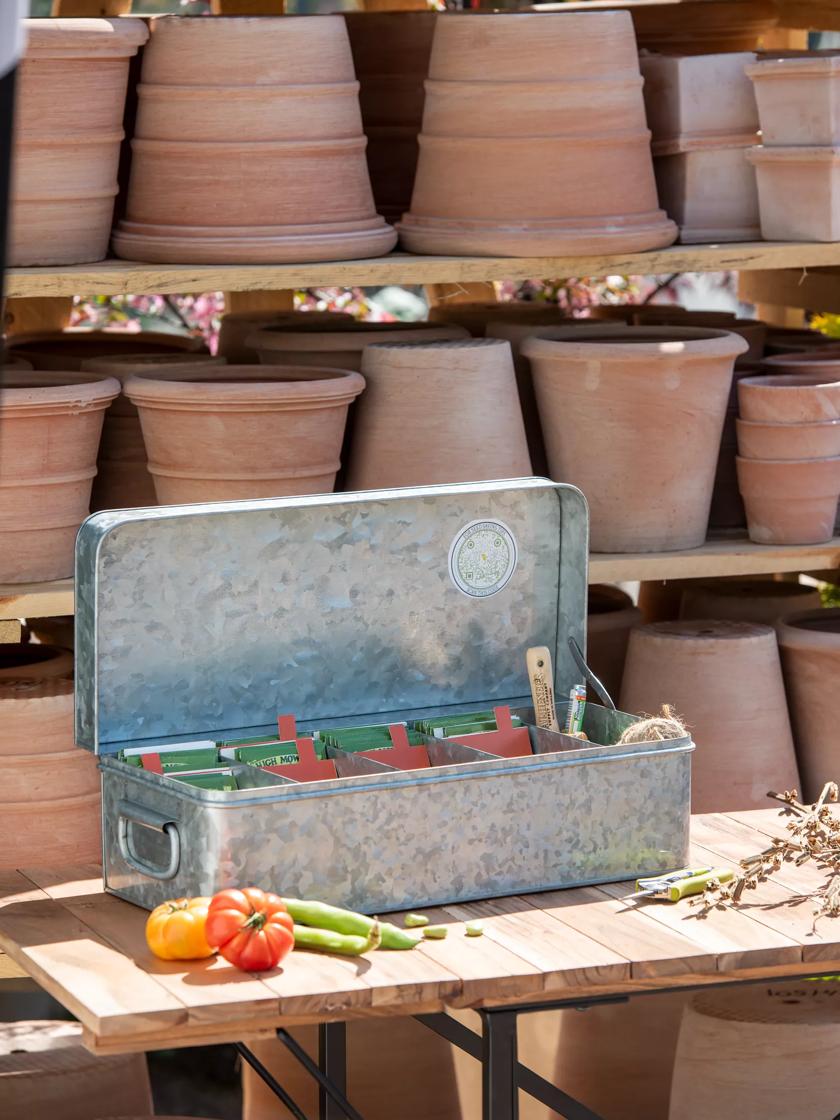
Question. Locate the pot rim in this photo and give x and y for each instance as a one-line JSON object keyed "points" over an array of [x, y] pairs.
{"points": [[788, 464], [617, 341], [354, 336], [781, 381], [824, 354], [202, 388], [166, 91], [788, 425], [57, 390], [792, 633], [83, 38]]}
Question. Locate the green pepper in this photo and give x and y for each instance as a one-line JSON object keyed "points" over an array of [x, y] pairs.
{"points": [[323, 916], [328, 941]]}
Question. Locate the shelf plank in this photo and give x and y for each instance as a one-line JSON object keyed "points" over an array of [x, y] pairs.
{"points": [[113, 277], [36, 600]]}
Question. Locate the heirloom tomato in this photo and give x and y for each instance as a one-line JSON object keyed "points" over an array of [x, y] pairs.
{"points": [[251, 928], [175, 930]]}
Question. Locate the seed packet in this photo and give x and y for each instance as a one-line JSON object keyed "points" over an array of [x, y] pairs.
{"points": [[170, 757], [272, 753], [468, 723], [220, 778]]}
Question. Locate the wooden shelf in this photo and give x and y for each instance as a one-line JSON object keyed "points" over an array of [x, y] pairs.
{"points": [[125, 277], [36, 600]]}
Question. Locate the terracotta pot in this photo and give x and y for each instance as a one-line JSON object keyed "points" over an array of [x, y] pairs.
{"points": [[50, 424], [45, 1071], [710, 193], [243, 432], [753, 331], [725, 680], [68, 130], [789, 398], [391, 56], [243, 102], [798, 192], [634, 418], [490, 124], [476, 317], [27, 661], [236, 326], [610, 617], [697, 29], [437, 412], [342, 345], [815, 440], [63, 350], [798, 99], [824, 360], [765, 1050], [790, 501], [122, 477], [810, 648], [788, 340], [746, 600]]}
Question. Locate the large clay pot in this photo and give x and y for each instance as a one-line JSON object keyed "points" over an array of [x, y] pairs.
{"points": [[790, 501], [532, 180], [752, 330], [634, 418], [818, 439], [236, 326], [50, 424], [746, 600], [437, 412], [47, 1074], [519, 313], [122, 477], [695, 28], [725, 681], [267, 110], [63, 350], [610, 616], [343, 344], [391, 56], [810, 647], [767, 1050], [68, 129], [243, 431]]}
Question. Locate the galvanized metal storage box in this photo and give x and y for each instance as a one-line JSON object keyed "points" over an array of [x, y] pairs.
{"points": [[205, 622]]}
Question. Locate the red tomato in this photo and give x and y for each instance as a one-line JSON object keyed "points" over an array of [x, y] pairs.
{"points": [[251, 929]]}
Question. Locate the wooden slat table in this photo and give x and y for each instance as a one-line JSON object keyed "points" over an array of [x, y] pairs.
{"points": [[558, 948]]}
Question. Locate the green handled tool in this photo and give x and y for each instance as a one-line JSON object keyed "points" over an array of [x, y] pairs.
{"points": [[674, 885]]}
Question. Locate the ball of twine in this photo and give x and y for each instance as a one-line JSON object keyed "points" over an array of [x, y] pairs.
{"points": [[667, 725]]}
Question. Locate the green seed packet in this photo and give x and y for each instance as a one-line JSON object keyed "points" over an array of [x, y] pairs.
{"points": [[270, 753], [449, 729], [172, 761], [250, 741], [375, 743], [207, 779], [333, 735], [467, 723]]}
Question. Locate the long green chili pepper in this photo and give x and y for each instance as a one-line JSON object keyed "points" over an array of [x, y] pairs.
{"points": [[328, 941], [323, 916]]}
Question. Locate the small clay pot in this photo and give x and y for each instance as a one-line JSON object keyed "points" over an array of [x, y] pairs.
{"points": [[50, 425], [710, 193], [236, 326], [798, 192], [610, 616], [790, 501], [437, 412], [343, 344], [746, 600], [725, 681], [818, 439], [789, 398], [476, 317], [243, 431], [810, 648], [821, 359], [66, 350], [798, 99]]}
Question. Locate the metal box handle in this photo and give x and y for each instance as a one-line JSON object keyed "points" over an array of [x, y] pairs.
{"points": [[129, 814]]}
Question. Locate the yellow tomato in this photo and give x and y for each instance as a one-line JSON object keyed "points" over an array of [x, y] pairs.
{"points": [[175, 930]]}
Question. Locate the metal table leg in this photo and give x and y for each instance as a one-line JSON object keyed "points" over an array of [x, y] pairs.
{"points": [[499, 1075], [325, 1083], [332, 1055], [271, 1081]]}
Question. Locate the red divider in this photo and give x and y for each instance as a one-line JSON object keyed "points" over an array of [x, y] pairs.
{"points": [[308, 768], [401, 753], [507, 742]]}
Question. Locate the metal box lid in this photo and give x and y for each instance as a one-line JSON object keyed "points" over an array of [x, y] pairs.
{"points": [[193, 621]]}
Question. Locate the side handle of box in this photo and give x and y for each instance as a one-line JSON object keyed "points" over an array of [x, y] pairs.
{"points": [[132, 814]]}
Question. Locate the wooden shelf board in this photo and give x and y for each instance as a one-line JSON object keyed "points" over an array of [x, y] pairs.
{"points": [[36, 600], [125, 277]]}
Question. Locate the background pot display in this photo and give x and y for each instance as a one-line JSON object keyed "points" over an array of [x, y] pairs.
{"points": [[789, 398], [268, 111], [710, 193], [475, 317], [821, 359], [236, 326], [391, 56], [50, 424], [634, 418], [68, 129], [343, 344], [798, 99], [705, 99], [122, 477], [610, 616], [789, 340], [790, 501], [746, 600], [695, 28], [437, 412], [243, 431], [66, 350], [725, 681], [810, 648], [798, 192], [532, 180]]}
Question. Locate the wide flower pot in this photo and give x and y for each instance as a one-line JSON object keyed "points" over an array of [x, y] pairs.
{"points": [[50, 424], [532, 180], [610, 616], [790, 398], [236, 326], [810, 646], [634, 418], [63, 350], [725, 681], [243, 431], [437, 412], [341, 344], [122, 477], [391, 55], [790, 501], [816, 439], [68, 130], [746, 600], [267, 110], [798, 192], [798, 99], [476, 317]]}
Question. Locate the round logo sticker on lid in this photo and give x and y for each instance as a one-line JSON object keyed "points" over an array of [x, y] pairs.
{"points": [[482, 558]]}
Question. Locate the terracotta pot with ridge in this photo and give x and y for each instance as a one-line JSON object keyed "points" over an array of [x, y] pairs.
{"points": [[50, 424], [532, 180], [236, 326], [810, 645], [725, 680], [789, 398], [242, 431], [68, 129], [343, 344], [746, 600], [515, 313], [633, 416], [610, 616], [267, 110], [790, 501], [63, 350], [816, 439]]}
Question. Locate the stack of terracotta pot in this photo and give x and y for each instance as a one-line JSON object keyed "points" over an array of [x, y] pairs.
{"points": [[798, 163], [502, 172], [702, 115]]}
